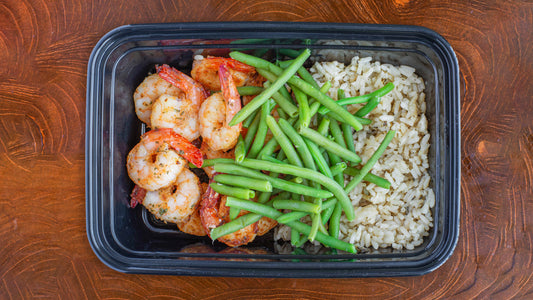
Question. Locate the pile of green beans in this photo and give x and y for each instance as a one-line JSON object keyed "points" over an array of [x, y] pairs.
{"points": [[289, 169]]}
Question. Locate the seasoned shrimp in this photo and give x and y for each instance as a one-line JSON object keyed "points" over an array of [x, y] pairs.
{"points": [[205, 71], [194, 91], [217, 111], [177, 202], [148, 91], [178, 113], [214, 213], [157, 160]]}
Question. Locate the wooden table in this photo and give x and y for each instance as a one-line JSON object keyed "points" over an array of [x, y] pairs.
{"points": [[44, 49]]}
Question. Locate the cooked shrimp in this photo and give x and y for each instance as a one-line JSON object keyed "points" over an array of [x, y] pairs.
{"points": [[148, 91], [178, 113], [217, 111], [205, 71], [194, 91], [157, 160], [214, 213], [177, 202]]}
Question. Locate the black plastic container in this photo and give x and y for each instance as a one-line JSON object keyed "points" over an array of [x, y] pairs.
{"points": [[131, 241]]}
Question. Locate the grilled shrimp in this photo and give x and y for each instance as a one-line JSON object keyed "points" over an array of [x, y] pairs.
{"points": [[205, 71], [177, 202], [178, 113], [148, 91], [214, 213], [157, 160], [217, 111], [194, 91]]}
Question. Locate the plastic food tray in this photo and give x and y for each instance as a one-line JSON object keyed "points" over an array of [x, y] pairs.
{"points": [[131, 241]]}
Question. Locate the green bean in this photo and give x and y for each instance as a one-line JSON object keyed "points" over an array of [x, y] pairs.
{"points": [[244, 182], [313, 107], [234, 213], [290, 52], [329, 145], [295, 238], [326, 240], [321, 163], [254, 207], [278, 183], [283, 141], [297, 179], [297, 206], [365, 110], [326, 214], [271, 159], [334, 221], [336, 117], [240, 149], [338, 168], [292, 216], [303, 107], [323, 127], [232, 191], [346, 128], [333, 160], [299, 143], [302, 71], [315, 176], [272, 213], [315, 224], [269, 148], [235, 225], [362, 98], [267, 93], [249, 90], [336, 132], [285, 104], [259, 140], [296, 215], [250, 119], [370, 163], [272, 78], [379, 181], [252, 130], [214, 161], [298, 82]]}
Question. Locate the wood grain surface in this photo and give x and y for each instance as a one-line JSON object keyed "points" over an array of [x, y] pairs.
{"points": [[44, 50]]}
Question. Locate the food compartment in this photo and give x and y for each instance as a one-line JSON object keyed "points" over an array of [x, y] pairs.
{"points": [[131, 240]]}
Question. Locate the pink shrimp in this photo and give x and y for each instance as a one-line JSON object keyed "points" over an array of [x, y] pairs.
{"points": [[205, 71], [217, 111], [214, 213], [157, 160]]}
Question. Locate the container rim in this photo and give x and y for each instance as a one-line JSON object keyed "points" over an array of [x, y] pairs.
{"points": [[135, 32]]}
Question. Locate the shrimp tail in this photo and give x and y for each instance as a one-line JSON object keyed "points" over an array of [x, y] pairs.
{"points": [[215, 62], [179, 143], [230, 93], [180, 80], [209, 213], [137, 196]]}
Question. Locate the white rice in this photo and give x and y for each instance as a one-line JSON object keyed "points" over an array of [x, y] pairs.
{"points": [[400, 217]]}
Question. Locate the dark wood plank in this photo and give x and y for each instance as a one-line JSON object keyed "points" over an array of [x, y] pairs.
{"points": [[44, 49]]}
